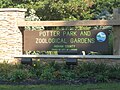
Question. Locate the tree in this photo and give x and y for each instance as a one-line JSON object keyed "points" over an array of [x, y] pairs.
{"points": [[33, 17]]}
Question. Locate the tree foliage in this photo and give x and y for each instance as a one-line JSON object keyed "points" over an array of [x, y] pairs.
{"points": [[32, 17], [64, 9]]}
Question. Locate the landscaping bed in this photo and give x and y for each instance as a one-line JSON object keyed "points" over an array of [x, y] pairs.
{"points": [[58, 73]]}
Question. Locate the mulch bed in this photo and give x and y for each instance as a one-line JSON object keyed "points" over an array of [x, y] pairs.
{"points": [[54, 82]]}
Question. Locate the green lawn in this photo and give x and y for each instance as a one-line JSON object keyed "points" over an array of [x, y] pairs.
{"points": [[113, 86]]}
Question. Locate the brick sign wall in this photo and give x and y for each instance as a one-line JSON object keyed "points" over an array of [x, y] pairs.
{"points": [[10, 34]]}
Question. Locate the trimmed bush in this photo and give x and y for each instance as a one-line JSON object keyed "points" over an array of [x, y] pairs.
{"points": [[19, 75], [55, 71]]}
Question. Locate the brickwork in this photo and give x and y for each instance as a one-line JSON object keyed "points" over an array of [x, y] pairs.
{"points": [[10, 34]]}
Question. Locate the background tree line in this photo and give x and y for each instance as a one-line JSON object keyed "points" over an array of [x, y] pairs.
{"points": [[64, 9]]}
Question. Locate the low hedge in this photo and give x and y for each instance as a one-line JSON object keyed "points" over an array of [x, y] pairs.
{"points": [[56, 71]]}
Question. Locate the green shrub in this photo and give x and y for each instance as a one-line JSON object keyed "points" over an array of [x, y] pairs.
{"points": [[67, 75], [52, 70], [115, 72], [90, 70], [102, 78], [86, 74], [5, 69], [47, 73], [37, 68], [101, 68], [19, 75], [84, 67]]}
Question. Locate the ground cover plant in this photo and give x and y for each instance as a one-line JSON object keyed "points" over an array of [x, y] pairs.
{"points": [[59, 73]]}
